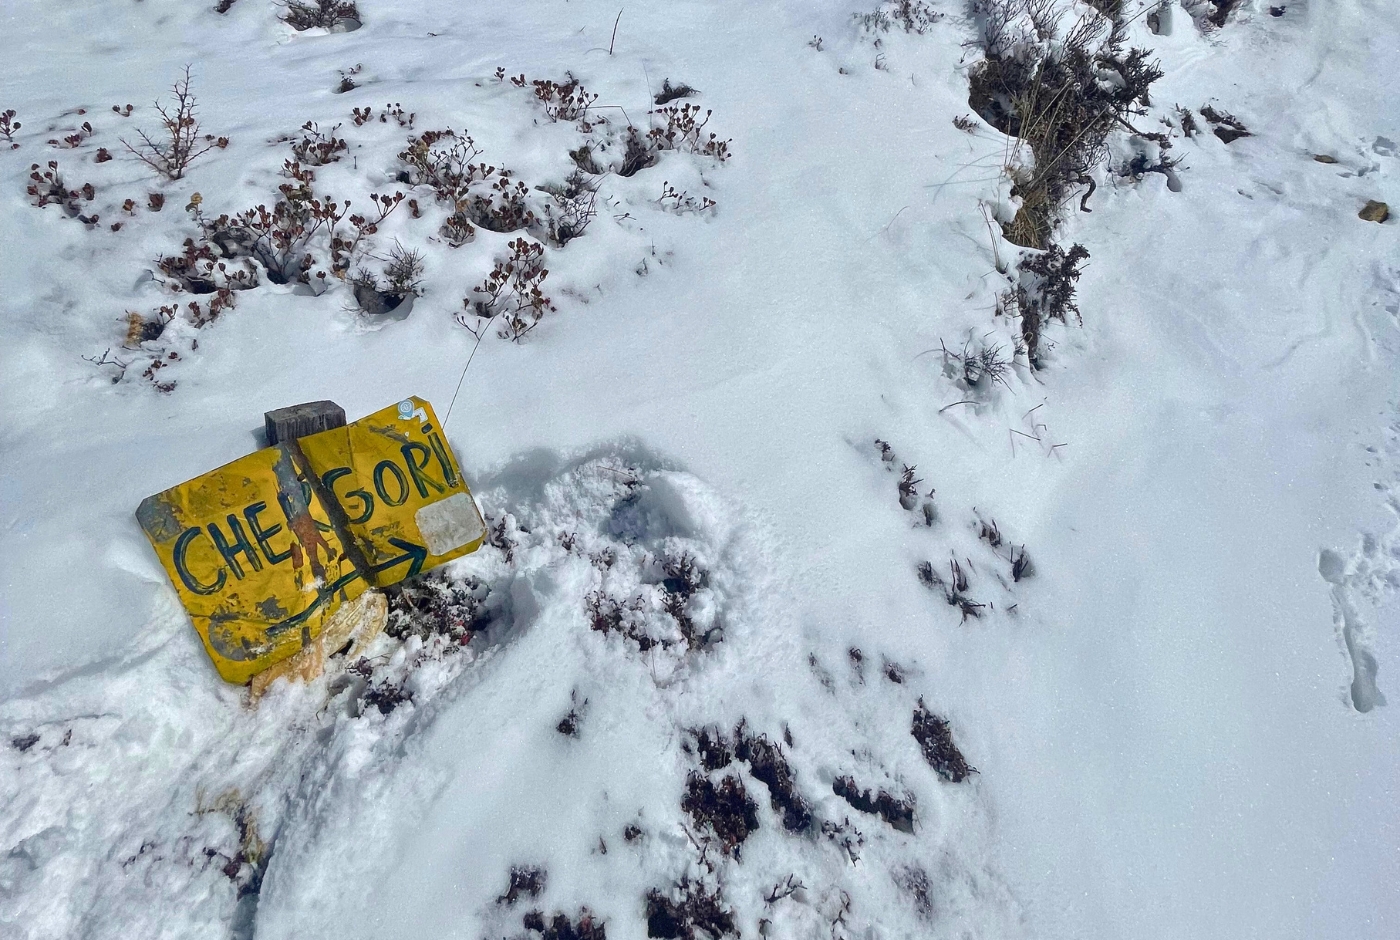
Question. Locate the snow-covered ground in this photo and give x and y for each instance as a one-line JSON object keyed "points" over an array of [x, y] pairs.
{"points": [[1178, 717]]}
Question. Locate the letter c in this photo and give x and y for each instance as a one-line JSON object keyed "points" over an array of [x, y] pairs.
{"points": [[182, 545]]}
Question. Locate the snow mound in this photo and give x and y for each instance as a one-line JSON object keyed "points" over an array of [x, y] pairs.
{"points": [[620, 724]]}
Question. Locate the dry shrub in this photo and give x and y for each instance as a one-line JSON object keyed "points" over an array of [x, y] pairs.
{"points": [[770, 767], [436, 605], [46, 186], [317, 148], [898, 813], [8, 126], [325, 14], [180, 140], [669, 92], [1046, 292], [689, 907], [200, 271], [512, 292], [726, 810], [911, 16], [1052, 95], [575, 207], [685, 131], [935, 738], [564, 101], [526, 880], [559, 927]]}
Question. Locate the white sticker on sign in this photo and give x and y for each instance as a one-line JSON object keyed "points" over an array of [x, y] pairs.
{"points": [[450, 523]]}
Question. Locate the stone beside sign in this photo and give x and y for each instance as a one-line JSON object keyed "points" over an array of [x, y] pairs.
{"points": [[1374, 211]]}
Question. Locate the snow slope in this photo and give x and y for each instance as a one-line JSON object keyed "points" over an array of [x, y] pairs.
{"points": [[1179, 719]]}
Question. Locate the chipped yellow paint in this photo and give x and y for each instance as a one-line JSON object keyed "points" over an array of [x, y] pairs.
{"points": [[355, 625], [251, 551], [405, 505]]}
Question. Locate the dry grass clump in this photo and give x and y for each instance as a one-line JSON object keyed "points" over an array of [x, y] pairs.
{"points": [[1062, 95]]}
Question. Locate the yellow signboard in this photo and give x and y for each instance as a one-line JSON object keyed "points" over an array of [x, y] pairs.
{"points": [[252, 553], [397, 489]]}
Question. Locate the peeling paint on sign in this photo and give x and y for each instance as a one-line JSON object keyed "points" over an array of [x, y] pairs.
{"points": [[405, 505], [254, 558]]}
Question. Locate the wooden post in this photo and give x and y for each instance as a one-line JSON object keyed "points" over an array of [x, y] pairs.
{"points": [[288, 424]]}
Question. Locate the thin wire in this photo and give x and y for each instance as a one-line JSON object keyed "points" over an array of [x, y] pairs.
{"points": [[462, 378]]}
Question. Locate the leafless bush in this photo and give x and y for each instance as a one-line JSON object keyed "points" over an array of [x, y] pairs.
{"points": [[503, 208], [669, 92], [935, 737], [512, 292], [1050, 91], [1046, 292], [46, 186], [575, 206], [911, 16], [681, 202], [986, 365], [783, 889], [108, 361], [564, 101], [180, 140], [908, 488], [8, 126], [525, 881], [684, 131], [317, 148], [319, 13], [404, 270], [74, 140], [400, 279], [199, 270], [638, 153], [347, 80], [688, 910], [434, 604], [282, 238]]}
